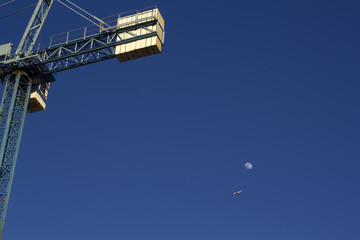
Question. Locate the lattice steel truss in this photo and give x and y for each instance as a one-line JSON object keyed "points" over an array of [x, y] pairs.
{"points": [[12, 116], [33, 29], [83, 51], [14, 105], [91, 49]]}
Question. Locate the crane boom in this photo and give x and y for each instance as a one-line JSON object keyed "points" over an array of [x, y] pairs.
{"points": [[13, 108], [89, 48]]}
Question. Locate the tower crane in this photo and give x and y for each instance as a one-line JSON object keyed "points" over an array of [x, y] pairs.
{"points": [[27, 74]]}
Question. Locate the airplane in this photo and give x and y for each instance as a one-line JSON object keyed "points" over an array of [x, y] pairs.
{"points": [[237, 192]]}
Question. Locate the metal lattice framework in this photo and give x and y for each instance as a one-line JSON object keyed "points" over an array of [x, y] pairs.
{"points": [[12, 117], [86, 50], [33, 29], [14, 106], [92, 49]]}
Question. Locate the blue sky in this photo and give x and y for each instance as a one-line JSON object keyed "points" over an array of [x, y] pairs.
{"points": [[154, 148]]}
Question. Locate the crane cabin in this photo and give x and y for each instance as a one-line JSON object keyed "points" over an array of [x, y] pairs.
{"points": [[38, 97]]}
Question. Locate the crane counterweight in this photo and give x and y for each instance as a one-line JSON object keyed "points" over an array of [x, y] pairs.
{"points": [[143, 47]]}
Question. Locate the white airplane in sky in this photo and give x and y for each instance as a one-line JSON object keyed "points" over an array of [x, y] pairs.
{"points": [[237, 192]]}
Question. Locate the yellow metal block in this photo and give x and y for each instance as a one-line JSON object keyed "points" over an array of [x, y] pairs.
{"points": [[143, 47]]}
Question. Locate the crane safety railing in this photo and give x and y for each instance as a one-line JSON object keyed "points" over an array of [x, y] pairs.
{"points": [[11, 55], [79, 41], [109, 23]]}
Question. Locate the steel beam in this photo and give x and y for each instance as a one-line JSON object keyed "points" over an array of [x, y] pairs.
{"points": [[12, 116], [33, 29], [83, 51]]}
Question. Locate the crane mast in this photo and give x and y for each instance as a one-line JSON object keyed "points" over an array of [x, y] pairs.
{"points": [[125, 36], [13, 108]]}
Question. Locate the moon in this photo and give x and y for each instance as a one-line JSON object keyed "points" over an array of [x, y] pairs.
{"points": [[248, 165]]}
